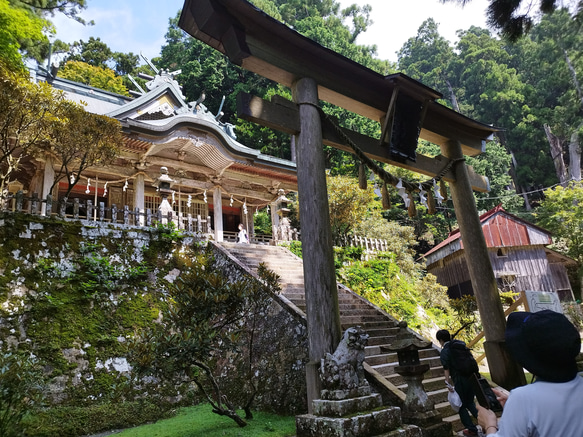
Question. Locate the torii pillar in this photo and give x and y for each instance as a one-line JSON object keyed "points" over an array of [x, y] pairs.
{"points": [[323, 315], [503, 369]]}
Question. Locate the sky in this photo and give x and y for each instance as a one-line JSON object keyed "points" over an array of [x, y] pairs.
{"points": [[140, 25]]}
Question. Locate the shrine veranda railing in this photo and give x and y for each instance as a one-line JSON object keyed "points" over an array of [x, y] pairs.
{"points": [[86, 211]]}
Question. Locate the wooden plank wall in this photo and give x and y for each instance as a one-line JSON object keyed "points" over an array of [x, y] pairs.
{"points": [[528, 263]]}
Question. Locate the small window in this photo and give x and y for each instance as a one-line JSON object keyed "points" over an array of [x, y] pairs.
{"points": [[501, 252]]}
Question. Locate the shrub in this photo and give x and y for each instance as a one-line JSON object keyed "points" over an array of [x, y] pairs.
{"points": [[21, 390]]}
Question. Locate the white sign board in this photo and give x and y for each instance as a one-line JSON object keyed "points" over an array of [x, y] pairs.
{"points": [[543, 300]]}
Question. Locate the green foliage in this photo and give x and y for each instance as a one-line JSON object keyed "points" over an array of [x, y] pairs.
{"points": [[97, 275], [465, 308], [347, 255], [400, 289], [18, 28], [36, 119], [574, 313], [560, 212], [96, 76], [262, 223], [73, 421], [208, 313], [495, 164], [294, 247], [348, 205], [21, 390], [93, 52], [200, 421]]}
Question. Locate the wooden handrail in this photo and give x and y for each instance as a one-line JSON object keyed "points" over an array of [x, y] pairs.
{"points": [[480, 335]]}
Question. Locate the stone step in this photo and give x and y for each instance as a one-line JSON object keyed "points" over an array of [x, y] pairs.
{"points": [[387, 323], [359, 320], [455, 421], [374, 341], [354, 305], [360, 312], [384, 331]]}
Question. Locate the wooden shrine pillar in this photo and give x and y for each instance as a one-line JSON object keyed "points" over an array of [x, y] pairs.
{"points": [[323, 316], [48, 181], [218, 213], [139, 197], [503, 369]]}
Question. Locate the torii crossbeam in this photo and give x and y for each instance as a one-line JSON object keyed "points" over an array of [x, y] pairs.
{"points": [[406, 109]]}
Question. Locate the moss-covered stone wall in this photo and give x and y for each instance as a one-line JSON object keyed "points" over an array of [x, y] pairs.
{"points": [[74, 294]]}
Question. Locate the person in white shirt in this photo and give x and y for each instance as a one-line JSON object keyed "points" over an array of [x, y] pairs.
{"points": [[242, 235], [546, 344]]}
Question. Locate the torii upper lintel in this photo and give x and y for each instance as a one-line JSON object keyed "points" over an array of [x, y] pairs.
{"points": [[261, 44]]}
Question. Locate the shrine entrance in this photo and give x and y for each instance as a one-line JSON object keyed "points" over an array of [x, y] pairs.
{"points": [[406, 110]]}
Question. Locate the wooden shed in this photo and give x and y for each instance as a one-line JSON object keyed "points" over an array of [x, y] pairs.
{"points": [[519, 254]]}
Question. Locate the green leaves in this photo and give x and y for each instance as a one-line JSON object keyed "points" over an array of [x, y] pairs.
{"points": [[21, 389], [560, 212]]}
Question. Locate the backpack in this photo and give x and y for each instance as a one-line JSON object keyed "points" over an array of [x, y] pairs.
{"points": [[462, 359]]}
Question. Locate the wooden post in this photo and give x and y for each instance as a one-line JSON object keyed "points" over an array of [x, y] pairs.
{"points": [[139, 193], [48, 180], [323, 316], [503, 369], [218, 214]]}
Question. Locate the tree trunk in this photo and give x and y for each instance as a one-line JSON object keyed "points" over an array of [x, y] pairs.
{"points": [[454, 103], [575, 157], [556, 146]]}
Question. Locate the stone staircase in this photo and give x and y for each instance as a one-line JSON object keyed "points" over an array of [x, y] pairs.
{"points": [[354, 310]]}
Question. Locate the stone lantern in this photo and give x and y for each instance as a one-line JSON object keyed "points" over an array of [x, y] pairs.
{"points": [[282, 230], [164, 186], [282, 201], [418, 409]]}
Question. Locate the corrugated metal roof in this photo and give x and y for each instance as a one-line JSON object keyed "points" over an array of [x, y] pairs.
{"points": [[501, 229]]}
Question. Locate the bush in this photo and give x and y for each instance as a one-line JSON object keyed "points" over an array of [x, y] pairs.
{"points": [[68, 421], [21, 390]]}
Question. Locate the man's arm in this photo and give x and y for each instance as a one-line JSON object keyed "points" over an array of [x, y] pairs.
{"points": [[448, 379]]}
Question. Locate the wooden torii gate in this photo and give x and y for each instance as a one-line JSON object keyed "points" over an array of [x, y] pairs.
{"points": [[406, 110]]}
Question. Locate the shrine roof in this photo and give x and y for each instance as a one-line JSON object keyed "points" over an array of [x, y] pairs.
{"points": [[161, 117]]}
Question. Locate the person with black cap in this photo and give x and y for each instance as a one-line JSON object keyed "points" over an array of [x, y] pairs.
{"points": [[454, 378], [546, 344]]}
